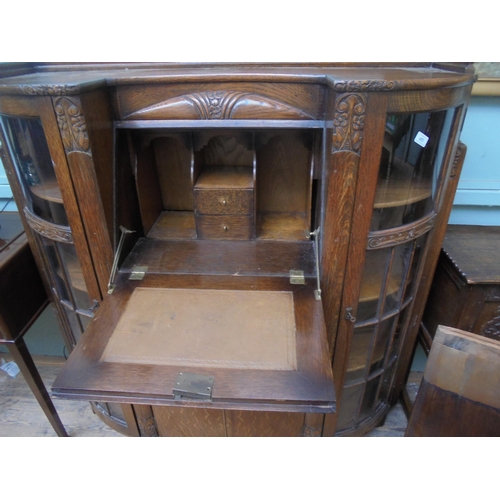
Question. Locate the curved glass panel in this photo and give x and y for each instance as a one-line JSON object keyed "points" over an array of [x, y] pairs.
{"points": [[31, 157], [370, 399], [68, 285], [349, 404], [358, 357], [411, 162], [383, 337]]}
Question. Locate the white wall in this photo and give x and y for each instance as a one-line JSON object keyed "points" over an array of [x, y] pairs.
{"points": [[5, 192], [477, 201]]}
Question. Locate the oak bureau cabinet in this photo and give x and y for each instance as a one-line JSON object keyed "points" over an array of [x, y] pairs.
{"points": [[246, 248]]}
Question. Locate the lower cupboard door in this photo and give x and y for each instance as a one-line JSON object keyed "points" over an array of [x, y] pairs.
{"points": [[201, 422]]}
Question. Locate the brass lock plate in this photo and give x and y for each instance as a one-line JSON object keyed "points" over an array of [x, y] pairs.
{"points": [[193, 386]]}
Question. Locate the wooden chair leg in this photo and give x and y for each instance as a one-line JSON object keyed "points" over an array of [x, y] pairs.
{"points": [[23, 358]]}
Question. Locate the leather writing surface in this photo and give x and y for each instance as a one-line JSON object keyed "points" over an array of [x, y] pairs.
{"points": [[206, 328]]}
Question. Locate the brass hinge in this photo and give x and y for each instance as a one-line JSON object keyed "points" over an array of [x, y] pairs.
{"points": [[138, 273], [297, 277]]}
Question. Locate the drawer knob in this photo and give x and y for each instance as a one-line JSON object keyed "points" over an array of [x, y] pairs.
{"points": [[226, 228], [224, 202]]}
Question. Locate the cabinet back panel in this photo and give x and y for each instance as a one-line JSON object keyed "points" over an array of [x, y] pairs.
{"points": [[148, 189], [283, 172], [230, 148], [173, 163]]}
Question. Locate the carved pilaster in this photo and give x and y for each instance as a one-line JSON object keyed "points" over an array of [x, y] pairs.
{"points": [[348, 123], [147, 427], [313, 425], [310, 432], [458, 155], [72, 125]]}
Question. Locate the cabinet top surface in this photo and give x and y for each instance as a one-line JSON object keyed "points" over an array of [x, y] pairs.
{"points": [[73, 78], [474, 252]]}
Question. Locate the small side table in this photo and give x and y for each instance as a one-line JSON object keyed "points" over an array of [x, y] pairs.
{"points": [[22, 300]]}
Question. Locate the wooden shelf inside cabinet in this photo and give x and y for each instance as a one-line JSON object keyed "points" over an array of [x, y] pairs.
{"points": [[394, 193], [233, 259], [400, 188], [174, 225], [225, 177], [48, 191], [283, 226]]}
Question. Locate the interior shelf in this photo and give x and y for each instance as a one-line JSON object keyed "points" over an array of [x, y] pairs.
{"points": [[225, 177], [400, 187], [397, 193], [283, 226], [216, 257], [180, 225], [174, 225], [48, 191]]}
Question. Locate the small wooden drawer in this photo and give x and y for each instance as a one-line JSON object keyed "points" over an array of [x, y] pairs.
{"points": [[224, 201], [222, 227]]}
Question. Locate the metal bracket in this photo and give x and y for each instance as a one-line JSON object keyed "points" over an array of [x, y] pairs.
{"points": [[111, 285], [317, 292], [297, 277], [193, 386]]}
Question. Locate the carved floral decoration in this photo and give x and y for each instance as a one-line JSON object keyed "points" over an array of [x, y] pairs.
{"points": [[219, 105], [47, 229], [364, 85], [401, 236], [348, 123], [72, 125], [53, 90]]}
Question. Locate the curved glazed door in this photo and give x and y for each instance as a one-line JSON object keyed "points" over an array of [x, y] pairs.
{"points": [[411, 178], [46, 215], [28, 157]]}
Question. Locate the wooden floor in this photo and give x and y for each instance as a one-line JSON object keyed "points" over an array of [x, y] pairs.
{"points": [[21, 416]]}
